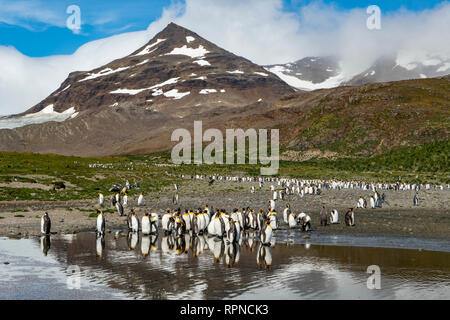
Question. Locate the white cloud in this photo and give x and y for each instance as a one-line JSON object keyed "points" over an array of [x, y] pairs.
{"points": [[25, 13], [26, 81], [257, 29]]}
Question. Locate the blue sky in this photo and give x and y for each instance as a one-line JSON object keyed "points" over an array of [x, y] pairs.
{"points": [[36, 28]]}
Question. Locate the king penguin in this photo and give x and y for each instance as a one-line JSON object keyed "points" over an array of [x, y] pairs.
{"points": [[100, 223], [45, 224]]}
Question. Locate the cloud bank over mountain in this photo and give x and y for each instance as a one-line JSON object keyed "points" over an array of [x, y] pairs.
{"points": [[260, 30]]}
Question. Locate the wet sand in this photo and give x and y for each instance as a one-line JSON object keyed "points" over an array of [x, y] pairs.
{"points": [[431, 219]]}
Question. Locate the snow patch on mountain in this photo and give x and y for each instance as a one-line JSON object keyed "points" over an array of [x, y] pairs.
{"points": [[189, 39], [191, 52], [165, 83], [146, 50], [102, 73], [131, 92], [236, 72], [295, 82], [56, 94], [175, 94], [143, 62], [202, 62], [207, 91], [45, 115]]}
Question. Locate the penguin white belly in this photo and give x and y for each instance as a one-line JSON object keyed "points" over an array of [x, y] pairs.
{"points": [[292, 221], [165, 222], [217, 227], [238, 231], [146, 225], [372, 203], [231, 236], [241, 220], [307, 222], [100, 224], [207, 220], [212, 227], [226, 224], [273, 222], [42, 225], [250, 220], [285, 216], [267, 235], [334, 216], [272, 205], [259, 222], [187, 221], [200, 222], [134, 224]]}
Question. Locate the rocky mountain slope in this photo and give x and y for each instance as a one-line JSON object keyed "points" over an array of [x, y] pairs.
{"points": [[176, 67], [177, 75], [362, 121]]}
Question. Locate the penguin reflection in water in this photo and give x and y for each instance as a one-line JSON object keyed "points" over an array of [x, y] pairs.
{"points": [[199, 244], [167, 243], [232, 254], [133, 240], [250, 240], [100, 245], [218, 248], [45, 244], [264, 256], [148, 243]]}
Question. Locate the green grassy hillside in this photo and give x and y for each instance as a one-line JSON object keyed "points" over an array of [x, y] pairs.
{"points": [[33, 176]]}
